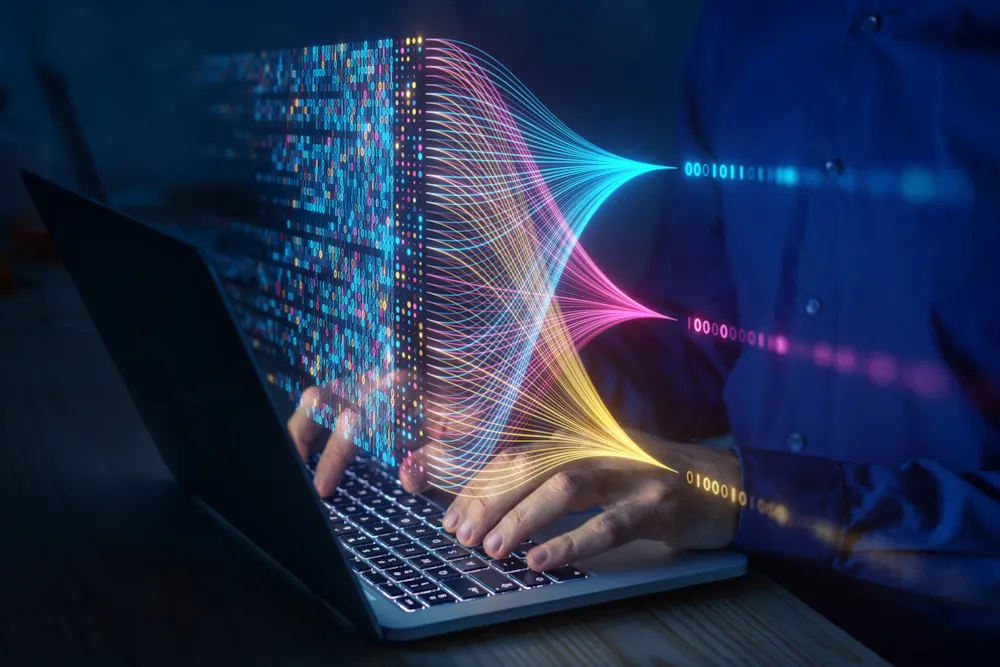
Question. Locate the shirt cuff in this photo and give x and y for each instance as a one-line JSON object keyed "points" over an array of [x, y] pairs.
{"points": [[793, 506]]}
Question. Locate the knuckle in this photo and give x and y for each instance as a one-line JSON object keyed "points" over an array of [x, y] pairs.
{"points": [[570, 547], [517, 518], [609, 528], [481, 505], [311, 399], [565, 484], [520, 462], [656, 492]]}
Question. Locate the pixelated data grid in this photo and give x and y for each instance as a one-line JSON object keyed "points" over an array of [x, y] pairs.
{"points": [[331, 139]]}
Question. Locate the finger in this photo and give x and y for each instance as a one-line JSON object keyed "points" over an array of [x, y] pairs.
{"points": [[609, 529], [566, 491], [415, 469], [474, 512], [303, 427], [338, 454]]}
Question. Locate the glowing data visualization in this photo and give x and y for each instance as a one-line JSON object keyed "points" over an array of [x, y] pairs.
{"points": [[328, 138], [416, 216]]}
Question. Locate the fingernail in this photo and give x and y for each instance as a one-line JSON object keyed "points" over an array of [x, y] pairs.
{"points": [[450, 519], [493, 542], [539, 556], [465, 532]]}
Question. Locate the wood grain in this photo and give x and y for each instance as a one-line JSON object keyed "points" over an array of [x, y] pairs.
{"points": [[103, 560]]}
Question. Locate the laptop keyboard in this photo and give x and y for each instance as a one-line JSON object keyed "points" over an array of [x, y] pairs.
{"points": [[401, 550]]}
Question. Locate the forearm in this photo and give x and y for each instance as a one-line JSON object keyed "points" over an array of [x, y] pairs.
{"points": [[919, 528]]}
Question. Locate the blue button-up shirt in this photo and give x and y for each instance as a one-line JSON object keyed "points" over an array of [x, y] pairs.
{"points": [[869, 421]]}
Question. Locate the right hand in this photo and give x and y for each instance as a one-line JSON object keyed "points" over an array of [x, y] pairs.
{"points": [[337, 446]]}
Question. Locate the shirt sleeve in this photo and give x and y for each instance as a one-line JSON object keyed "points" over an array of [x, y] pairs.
{"points": [[688, 275], [919, 527]]}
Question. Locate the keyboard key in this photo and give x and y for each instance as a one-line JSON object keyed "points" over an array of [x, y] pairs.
{"points": [[522, 549], [434, 519], [401, 574], [408, 500], [365, 519], [355, 540], [378, 504], [421, 585], [375, 578], [565, 573], [496, 582], [349, 508], [350, 486], [469, 564], [411, 550], [481, 552], [465, 588], [530, 579], [405, 521], [394, 540], [442, 573], [378, 529], [359, 565], [386, 562], [425, 510], [435, 541], [371, 551], [394, 492], [454, 552], [363, 494], [426, 562], [377, 480], [419, 531], [435, 599], [389, 511], [408, 603], [341, 528], [392, 590], [510, 564]]}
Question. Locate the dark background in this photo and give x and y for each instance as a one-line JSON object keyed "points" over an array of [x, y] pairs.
{"points": [[608, 68]]}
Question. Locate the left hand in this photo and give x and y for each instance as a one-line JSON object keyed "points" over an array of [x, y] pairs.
{"points": [[639, 501]]}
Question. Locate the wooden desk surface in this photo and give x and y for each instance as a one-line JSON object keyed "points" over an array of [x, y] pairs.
{"points": [[103, 560]]}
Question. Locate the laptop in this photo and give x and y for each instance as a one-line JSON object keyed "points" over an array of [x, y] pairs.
{"points": [[376, 555]]}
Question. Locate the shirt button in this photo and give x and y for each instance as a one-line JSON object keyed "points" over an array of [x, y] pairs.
{"points": [[813, 306], [834, 167], [870, 24], [796, 442]]}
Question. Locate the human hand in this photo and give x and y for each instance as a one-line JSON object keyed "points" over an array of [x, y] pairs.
{"points": [[639, 502], [337, 445]]}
